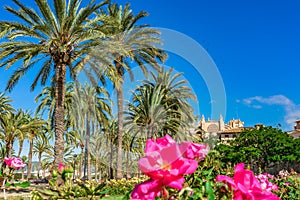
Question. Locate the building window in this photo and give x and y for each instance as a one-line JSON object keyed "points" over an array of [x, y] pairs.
{"points": [[226, 136]]}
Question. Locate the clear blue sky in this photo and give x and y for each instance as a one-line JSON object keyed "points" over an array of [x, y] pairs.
{"points": [[255, 45]]}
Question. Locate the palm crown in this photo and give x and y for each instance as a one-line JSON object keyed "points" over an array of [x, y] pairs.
{"points": [[59, 39]]}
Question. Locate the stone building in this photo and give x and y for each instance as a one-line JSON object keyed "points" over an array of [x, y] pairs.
{"points": [[218, 128], [296, 132]]}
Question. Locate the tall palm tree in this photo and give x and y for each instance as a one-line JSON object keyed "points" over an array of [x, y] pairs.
{"points": [[90, 106], [60, 38], [98, 152], [111, 134], [32, 135], [136, 43]]}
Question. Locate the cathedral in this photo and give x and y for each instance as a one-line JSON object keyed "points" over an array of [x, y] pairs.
{"points": [[220, 129]]}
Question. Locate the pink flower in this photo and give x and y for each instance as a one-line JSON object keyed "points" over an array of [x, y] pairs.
{"points": [[61, 167], [194, 151], [266, 185], [15, 163], [147, 190], [7, 161], [158, 144], [245, 185], [166, 163]]}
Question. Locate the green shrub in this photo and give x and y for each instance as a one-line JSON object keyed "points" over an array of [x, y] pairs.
{"points": [[122, 186]]}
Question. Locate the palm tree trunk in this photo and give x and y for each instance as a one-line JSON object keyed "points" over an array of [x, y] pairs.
{"points": [[120, 132], [120, 99], [81, 162], [100, 174], [20, 148], [111, 155], [96, 168], [29, 166], [9, 146], [127, 164], [88, 135], [85, 161], [22, 177], [39, 164], [59, 112]]}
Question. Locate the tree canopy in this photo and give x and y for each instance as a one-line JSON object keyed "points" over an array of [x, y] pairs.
{"points": [[266, 148]]}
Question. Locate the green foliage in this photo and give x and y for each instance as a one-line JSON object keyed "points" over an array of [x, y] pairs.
{"points": [[261, 149], [90, 190], [24, 184], [67, 189]]}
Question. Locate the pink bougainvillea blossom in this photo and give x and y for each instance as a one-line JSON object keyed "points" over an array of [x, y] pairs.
{"points": [[245, 185], [15, 163]]}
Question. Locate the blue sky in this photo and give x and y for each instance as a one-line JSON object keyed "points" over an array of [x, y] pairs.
{"points": [[255, 46]]}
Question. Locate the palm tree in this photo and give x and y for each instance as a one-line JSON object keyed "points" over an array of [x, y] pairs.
{"points": [[24, 160], [98, 152], [147, 113], [3, 151], [41, 145], [110, 132], [14, 126], [90, 106], [68, 155], [161, 107], [33, 134], [60, 39], [46, 100], [178, 95], [5, 105], [21, 138], [137, 43], [33, 129]]}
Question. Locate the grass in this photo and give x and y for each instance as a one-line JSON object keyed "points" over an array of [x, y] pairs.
{"points": [[113, 198]]}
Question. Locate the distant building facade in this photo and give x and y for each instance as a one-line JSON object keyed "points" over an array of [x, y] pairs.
{"points": [[214, 128], [296, 132]]}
